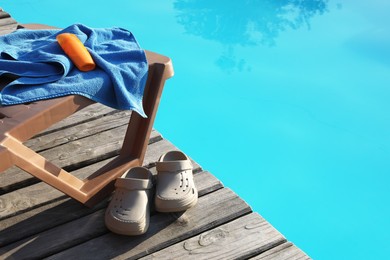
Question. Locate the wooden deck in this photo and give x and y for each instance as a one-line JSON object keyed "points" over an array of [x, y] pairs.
{"points": [[37, 221]]}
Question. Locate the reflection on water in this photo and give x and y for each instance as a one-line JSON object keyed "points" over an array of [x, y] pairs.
{"points": [[244, 22], [229, 62]]}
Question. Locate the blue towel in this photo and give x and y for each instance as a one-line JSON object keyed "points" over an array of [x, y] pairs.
{"points": [[44, 71]]}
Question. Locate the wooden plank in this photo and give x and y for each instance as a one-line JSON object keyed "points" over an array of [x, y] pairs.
{"points": [[165, 229], [43, 218], [212, 210], [53, 240], [3, 14], [78, 132], [55, 211], [81, 152], [285, 251], [33, 196], [6, 29], [13, 202], [15, 178], [89, 113], [69, 129], [7, 21], [75, 129], [72, 155], [227, 206], [239, 239]]}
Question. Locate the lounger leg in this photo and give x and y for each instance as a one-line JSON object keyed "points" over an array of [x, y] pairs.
{"points": [[5, 159], [139, 129], [37, 165]]}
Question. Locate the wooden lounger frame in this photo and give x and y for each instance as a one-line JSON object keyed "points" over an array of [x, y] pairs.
{"points": [[19, 123]]}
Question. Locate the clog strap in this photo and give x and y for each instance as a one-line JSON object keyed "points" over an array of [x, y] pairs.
{"points": [[133, 184], [174, 166]]}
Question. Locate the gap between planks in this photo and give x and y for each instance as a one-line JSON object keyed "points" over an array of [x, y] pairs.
{"points": [[74, 231], [26, 198], [212, 210], [241, 238], [76, 146]]}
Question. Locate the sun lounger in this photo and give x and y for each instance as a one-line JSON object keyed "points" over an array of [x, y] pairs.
{"points": [[19, 123]]}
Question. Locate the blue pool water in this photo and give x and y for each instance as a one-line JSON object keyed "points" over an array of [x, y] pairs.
{"points": [[287, 102]]}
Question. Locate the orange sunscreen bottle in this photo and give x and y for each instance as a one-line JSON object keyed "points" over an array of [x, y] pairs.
{"points": [[76, 51]]}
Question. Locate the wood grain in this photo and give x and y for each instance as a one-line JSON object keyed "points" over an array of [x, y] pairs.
{"points": [[238, 239], [87, 114], [53, 138], [22, 199], [214, 209], [8, 28], [74, 148], [6, 21], [285, 251], [32, 220]]}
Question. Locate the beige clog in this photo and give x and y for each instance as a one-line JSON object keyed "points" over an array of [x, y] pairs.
{"points": [[128, 212], [175, 189]]}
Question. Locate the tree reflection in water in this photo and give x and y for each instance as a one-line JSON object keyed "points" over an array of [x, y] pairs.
{"points": [[244, 22]]}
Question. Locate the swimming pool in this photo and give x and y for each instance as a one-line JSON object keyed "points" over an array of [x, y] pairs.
{"points": [[287, 102]]}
